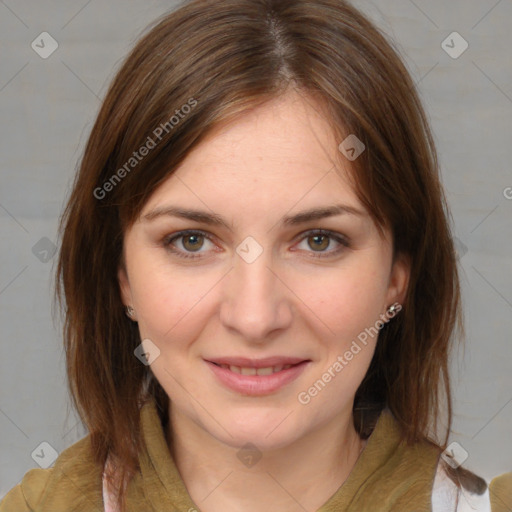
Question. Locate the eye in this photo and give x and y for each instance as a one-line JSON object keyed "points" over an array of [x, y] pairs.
{"points": [[320, 239], [192, 240]]}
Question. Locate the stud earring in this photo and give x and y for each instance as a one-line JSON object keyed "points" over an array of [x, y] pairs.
{"points": [[394, 309], [129, 312]]}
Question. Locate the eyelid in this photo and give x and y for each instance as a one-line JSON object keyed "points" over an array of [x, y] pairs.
{"points": [[341, 239], [321, 231], [190, 231]]}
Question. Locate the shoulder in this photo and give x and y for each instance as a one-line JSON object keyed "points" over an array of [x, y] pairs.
{"points": [[74, 479], [460, 490], [24, 497], [501, 493]]}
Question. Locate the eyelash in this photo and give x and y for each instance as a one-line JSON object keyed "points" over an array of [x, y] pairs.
{"points": [[322, 254]]}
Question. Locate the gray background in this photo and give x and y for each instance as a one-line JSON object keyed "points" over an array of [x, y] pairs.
{"points": [[48, 107]]}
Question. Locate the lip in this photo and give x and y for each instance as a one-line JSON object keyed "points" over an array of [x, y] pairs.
{"points": [[246, 362], [257, 385]]}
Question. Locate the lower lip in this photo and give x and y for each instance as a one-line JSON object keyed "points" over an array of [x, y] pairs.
{"points": [[257, 384]]}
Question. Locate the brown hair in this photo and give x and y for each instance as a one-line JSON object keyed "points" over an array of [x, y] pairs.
{"points": [[221, 58]]}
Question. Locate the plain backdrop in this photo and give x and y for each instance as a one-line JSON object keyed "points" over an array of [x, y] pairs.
{"points": [[48, 107]]}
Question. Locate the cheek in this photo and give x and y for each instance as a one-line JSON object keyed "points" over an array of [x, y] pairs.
{"points": [[347, 305], [346, 300], [170, 303]]}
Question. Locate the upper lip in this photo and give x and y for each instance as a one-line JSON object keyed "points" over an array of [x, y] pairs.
{"points": [[245, 362]]}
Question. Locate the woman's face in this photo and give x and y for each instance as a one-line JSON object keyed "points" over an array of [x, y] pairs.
{"points": [[252, 288]]}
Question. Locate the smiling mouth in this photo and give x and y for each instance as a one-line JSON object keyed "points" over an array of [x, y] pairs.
{"points": [[268, 370], [257, 377]]}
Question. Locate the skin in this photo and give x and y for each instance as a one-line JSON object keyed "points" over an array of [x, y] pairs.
{"points": [[278, 159]]}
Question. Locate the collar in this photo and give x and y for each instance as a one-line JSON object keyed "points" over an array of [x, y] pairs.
{"points": [[387, 474]]}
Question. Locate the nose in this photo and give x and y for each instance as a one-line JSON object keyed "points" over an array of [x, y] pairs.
{"points": [[256, 303]]}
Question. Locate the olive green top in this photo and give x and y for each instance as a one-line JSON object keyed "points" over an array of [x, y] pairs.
{"points": [[388, 476]]}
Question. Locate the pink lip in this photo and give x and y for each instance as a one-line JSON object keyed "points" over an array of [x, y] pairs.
{"points": [[257, 385], [256, 363]]}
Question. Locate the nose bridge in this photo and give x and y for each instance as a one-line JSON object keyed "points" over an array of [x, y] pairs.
{"points": [[254, 303]]}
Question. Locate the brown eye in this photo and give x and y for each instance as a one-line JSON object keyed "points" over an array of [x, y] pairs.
{"points": [[320, 242], [192, 242]]}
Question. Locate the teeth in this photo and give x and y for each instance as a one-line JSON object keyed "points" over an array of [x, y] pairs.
{"points": [[265, 371], [269, 370]]}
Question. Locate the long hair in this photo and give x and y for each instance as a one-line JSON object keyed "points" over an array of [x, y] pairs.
{"points": [[204, 64]]}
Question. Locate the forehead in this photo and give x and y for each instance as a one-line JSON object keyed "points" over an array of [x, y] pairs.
{"points": [[284, 151]]}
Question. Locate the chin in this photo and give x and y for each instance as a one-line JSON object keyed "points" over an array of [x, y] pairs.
{"points": [[266, 432]]}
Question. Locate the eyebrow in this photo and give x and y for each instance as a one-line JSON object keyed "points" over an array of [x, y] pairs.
{"points": [[217, 220]]}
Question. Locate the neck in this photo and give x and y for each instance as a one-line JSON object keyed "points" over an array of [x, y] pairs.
{"points": [[300, 476]]}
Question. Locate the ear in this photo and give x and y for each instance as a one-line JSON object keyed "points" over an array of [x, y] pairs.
{"points": [[124, 286], [399, 280]]}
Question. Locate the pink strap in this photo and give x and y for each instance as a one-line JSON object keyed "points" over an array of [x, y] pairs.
{"points": [[108, 498]]}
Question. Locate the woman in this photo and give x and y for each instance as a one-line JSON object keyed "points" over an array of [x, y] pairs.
{"points": [[259, 277]]}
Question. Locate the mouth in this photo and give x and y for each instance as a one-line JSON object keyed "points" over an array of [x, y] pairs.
{"points": [[257, 377], [267, 370]]}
